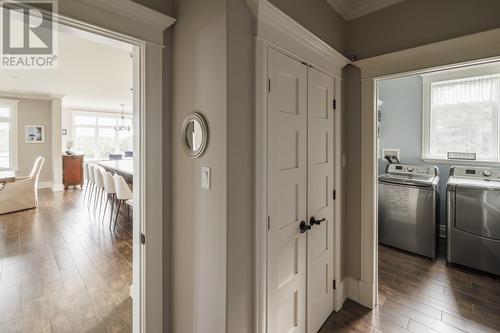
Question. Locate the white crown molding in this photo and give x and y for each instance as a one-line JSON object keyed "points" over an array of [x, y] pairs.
{"points": [[29, 95], [278, 28], [144, 23], [350, 10]]}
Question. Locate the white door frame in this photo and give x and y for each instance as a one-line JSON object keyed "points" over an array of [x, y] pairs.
{"points": [[278, 31], [142, 27], [454, 53]]}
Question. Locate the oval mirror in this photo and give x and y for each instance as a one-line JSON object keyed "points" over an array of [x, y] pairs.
{"points": [[194, 135]]}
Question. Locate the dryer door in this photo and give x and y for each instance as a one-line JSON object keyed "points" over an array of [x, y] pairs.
{"points": [[478, 211]]}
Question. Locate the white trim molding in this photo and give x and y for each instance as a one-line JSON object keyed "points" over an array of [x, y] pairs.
{"points": [[278, 31], [459, 52], [142, 23]]}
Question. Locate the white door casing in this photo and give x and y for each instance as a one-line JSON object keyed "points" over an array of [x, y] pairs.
{"points": [[320, 201], [287, 172]]}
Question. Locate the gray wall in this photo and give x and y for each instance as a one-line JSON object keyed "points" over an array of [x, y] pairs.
{"points": [[351, 180], [34, 112], [401, 125], [199, 217], [418, 22], [318, 17], [240, 166]]}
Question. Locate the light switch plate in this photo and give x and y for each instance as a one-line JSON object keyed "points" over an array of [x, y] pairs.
{"points": [[205, 178]]}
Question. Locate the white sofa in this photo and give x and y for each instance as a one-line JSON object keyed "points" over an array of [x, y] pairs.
{"points": [[23, 192]]}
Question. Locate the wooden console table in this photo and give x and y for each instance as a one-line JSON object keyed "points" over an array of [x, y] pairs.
{"points": [[72, 170]]}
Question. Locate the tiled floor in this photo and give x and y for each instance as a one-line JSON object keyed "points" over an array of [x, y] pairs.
{"points": [[62, 270], [420, 295]]}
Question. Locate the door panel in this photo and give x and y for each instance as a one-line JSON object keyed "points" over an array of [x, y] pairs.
{"points": [[320, 198], [287, 172]]}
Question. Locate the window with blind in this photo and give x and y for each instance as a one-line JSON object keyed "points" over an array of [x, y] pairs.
{"points": [[95, 136], [8, 134], [462, 116]]}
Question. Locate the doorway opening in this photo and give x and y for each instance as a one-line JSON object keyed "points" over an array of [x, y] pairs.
{"points": [[437, 159], [69, 198]]}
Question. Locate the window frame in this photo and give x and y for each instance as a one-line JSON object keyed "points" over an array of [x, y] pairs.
{"points": [[97, 114], [12, 105], [454, 74]]}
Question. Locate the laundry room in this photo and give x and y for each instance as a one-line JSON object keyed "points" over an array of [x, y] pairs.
{"points": [[439, 174]]}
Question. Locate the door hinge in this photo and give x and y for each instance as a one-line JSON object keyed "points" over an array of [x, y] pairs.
{"points": [[334, 285], [335, 104], [268, 223], [143, 238], [269, 85], [334, 195]]}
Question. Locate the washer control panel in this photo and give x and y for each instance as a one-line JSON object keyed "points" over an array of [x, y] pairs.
{"points": [[476, 172], [409, 169]]}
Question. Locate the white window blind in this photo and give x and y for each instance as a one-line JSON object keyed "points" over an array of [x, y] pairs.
{"points": [[8, 135], [464, 117]]}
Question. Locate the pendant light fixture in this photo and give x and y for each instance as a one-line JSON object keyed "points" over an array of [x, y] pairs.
{"points": [[122, 126]]}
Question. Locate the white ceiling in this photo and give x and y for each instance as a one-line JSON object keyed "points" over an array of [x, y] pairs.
{"points": [[94, 73], [351, 9]]}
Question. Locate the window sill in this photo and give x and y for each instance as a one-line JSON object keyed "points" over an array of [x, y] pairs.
{"points": [[457, 162]]}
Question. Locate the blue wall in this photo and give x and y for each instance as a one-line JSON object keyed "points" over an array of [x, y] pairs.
{"points": [[401, 127]]}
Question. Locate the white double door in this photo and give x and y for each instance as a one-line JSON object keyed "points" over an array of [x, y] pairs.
{"points": [[300, 187]]}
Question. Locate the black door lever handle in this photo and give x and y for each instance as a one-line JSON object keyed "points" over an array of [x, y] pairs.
{"points": [[313, 221], [303, 227]]}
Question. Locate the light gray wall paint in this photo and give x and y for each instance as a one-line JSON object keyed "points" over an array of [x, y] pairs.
{"points": [[351, 180], [401, 127], [240, 167], [418, 22], [318, 17], [34, 112], [199, 217]]}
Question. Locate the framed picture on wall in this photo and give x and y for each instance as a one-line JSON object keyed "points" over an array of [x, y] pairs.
{"points": [[34, 134]]}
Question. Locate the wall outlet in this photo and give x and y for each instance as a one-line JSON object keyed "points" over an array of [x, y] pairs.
{"points": [[390, 152]]}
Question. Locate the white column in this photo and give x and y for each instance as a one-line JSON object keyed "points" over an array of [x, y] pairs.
{"points": [[56, 122]]}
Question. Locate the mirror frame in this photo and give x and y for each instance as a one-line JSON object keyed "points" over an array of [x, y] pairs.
{"points": [[195, 116]]}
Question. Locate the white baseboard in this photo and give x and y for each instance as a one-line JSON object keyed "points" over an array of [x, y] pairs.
{"points": [[367, 294], [442, 231], [52, 186], [44, 185], [57, 187], [351, 289], [359, 292]]}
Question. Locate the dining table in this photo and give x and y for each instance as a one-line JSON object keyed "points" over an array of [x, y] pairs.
{"points": [[123, 167]]}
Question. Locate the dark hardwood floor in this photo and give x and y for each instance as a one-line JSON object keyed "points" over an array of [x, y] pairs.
{"points": [[61, 270], [420, 295]]}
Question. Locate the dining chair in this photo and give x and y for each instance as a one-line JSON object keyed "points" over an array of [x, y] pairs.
{"points": [[23, 192], [99, 183], [110, 190], [123, 194], [91, 182], [85, 180]]}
